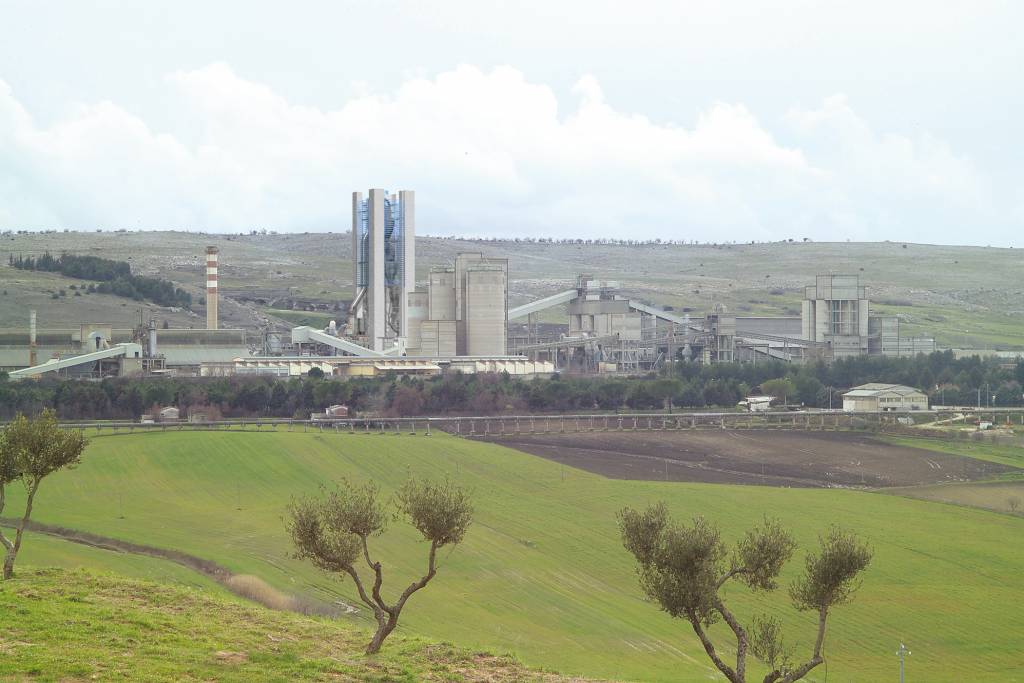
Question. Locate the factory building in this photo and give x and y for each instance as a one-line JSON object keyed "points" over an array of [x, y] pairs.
{"points": [[837, 314], [463, 312], [597, 310], [383, 266], [173, 351]]}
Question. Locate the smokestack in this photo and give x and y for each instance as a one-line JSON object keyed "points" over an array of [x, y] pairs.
{"points": [[211, 288], [32, 339], [152, 338]]}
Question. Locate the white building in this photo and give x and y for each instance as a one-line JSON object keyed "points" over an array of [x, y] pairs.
{"points": [[759, 404], [875, 397]]}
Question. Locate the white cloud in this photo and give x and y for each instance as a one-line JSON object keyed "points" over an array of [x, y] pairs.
{"points": [[489, 153]]}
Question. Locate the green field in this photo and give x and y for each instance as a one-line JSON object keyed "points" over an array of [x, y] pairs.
{"points": [[76, 625], [542, 574], [42, 550]]}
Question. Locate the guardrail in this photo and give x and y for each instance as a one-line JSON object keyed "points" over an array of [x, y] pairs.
{"points": [[505, 425]]}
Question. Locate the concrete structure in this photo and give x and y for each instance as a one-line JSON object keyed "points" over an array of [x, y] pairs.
{"points": [[720, 328], [212, 292], [481, 305], [835, 312], [438, 339], [875, 397], [485, 305], [32, 356], [463, 312], [597, 310], [384, 266]]}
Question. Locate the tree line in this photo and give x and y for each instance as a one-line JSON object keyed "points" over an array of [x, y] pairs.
{"points": [[946, 379], [115, 277]]}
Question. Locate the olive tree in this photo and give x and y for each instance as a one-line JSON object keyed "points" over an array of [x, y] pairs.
{"points": [[333, 532], [30, 451], [684, 568]]}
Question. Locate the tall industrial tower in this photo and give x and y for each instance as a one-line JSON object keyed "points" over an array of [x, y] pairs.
{"points": [[384, 266], [211, 288]]}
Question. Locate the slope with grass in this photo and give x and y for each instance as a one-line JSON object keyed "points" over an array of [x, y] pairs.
{"points": [[542, 573], [75, 625], [44, 550]]}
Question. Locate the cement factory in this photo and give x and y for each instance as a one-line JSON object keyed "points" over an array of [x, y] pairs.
{"points": [[459, 319]]}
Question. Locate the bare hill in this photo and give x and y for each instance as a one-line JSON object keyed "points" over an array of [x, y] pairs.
{"points": [[964, 296]]}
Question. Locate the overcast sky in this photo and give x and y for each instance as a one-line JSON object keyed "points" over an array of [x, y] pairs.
{"points": [[710, 120]]}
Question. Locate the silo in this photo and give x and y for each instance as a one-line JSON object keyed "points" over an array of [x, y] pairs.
{"points": [[441, 302], [486, 310]]}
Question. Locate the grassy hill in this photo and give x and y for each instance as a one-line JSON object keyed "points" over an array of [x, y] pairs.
{"points": [[964, 296], [77, 625], [542, 573]]}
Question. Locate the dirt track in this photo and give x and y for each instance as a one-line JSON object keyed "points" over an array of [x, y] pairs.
{"points": [[772, 458]]}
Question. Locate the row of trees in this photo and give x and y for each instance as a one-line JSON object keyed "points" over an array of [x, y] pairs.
{"points": [[115, 277], [946, 379]]}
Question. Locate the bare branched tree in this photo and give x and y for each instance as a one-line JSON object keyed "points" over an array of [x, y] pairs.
{"points": [[333, 532], [30, 451], [684, 568]]}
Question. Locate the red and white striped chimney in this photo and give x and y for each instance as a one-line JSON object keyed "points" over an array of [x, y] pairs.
{"points": [[211, 288]]}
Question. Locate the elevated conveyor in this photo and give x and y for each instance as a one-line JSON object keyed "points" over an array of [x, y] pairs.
{"points": [[542, 304], [308, 335], [663, 315], [129, 350]]}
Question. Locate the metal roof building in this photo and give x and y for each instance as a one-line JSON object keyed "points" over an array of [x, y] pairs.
{"points": [[876, 397]]}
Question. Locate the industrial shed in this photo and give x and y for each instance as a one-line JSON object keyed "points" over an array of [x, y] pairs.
{"points": [[875, 397]]}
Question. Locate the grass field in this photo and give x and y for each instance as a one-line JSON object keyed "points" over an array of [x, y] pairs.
{"points": [[542, 573], [76, 625], [42, 550]]}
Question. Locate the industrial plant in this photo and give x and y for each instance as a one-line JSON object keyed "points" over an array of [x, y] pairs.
{"points": [[458, 318]]}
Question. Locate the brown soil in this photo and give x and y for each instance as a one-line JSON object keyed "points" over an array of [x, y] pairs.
{"points": [[773, 458]]}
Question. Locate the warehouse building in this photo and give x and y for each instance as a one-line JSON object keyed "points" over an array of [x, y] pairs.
{"points": [[875, 398]]}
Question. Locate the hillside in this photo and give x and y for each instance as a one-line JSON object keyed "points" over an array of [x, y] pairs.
{"points": [[964, 296], [72, 625], [542, 573]]}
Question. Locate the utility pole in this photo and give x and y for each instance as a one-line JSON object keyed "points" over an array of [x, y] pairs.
{"points": [[902, 653]]}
